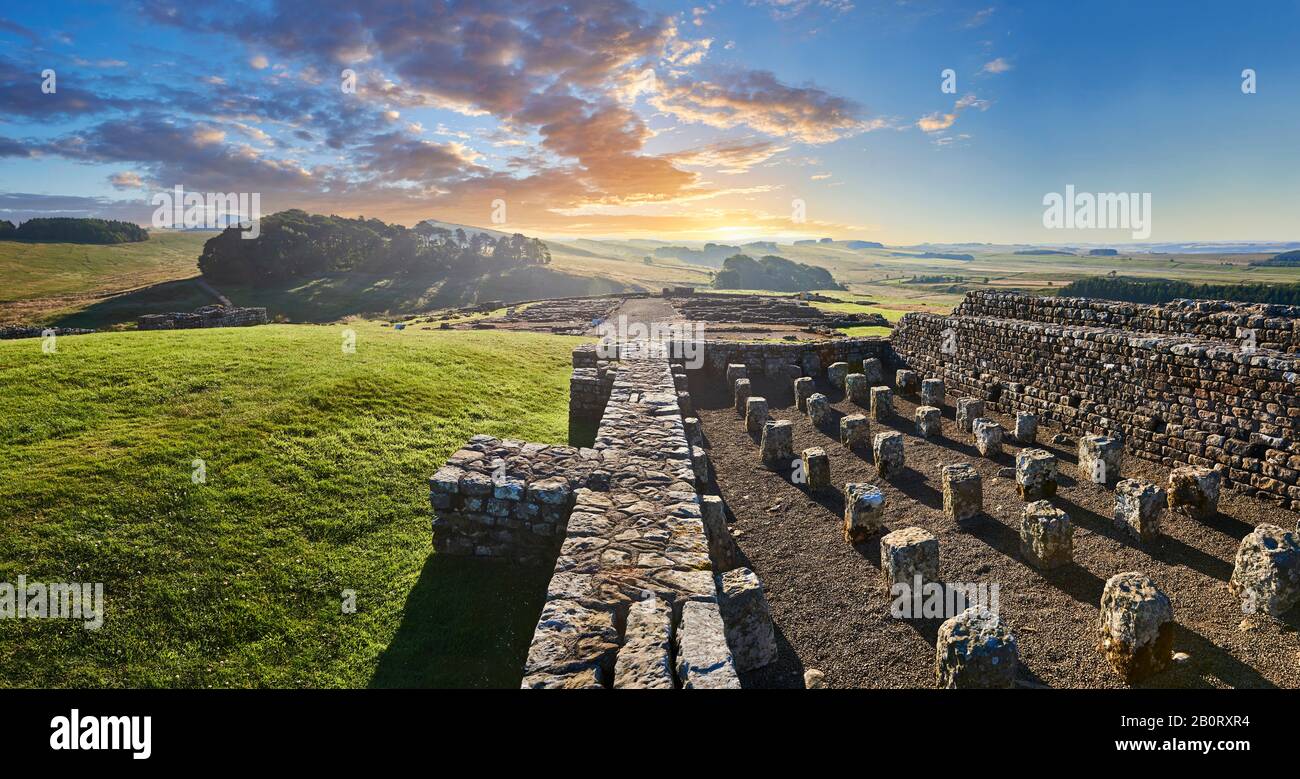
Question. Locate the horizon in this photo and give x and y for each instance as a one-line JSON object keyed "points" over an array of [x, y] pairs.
{"points": [[618, 120]]}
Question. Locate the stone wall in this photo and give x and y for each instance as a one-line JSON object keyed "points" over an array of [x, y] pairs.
{"points": [[24, 331], [208, 316], [1173, 398]]}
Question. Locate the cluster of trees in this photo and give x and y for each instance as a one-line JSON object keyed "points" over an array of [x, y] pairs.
{"points": [[1131, 290], [62, 229], [295, 244], [774, 273], [1283, 260]]}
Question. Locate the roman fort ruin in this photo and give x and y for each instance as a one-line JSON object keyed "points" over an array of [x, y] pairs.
{"points": [[1126, 473]]}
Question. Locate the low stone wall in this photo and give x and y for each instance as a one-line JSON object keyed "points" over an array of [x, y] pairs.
{"points": [[23, 331], [1173, 399], [773, 359], [208, 316]]}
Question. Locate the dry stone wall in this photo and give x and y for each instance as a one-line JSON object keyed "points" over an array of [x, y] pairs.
{"points": [[1177, 399], [208, 316]]}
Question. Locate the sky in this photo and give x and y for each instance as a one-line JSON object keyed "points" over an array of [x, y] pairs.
{"points": [[899, 122]]}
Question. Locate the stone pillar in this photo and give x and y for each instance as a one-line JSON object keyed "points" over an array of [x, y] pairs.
{"points": [[864, 512], [835, 374], [1137, 509], [644, 661], [700, 465], [1099, 458], [777, 445], [816, 469], [1026, 428], [975, 651], [857, 389], [968, 410], [908, 553], [872, 370], [988, 436], [963, 491], [1266, 576], [747, 617], [882, 403], [932, 392], [854, 430], [928, 421], [1194, 491], [803, 389], [684, 404], [1136, 626], [819, 409], [888, 449], [1035, 474], [736, 371], [694, 434], [907, 382], [740, 393], [723, 552], [756, 415], [1046, 536]]}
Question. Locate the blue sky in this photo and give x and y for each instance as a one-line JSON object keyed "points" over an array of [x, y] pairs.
{"points": [[694, 121]]}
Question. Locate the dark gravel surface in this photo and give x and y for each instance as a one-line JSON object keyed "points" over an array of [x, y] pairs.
{"points": [[830, 602]]}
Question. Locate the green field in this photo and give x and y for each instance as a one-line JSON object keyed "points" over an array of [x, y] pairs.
{"points": [[316, 482]]}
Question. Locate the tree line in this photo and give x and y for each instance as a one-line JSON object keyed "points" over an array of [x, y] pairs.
{"points": [[294, 244], [1131, 290], [774, 273], [63, 229]]}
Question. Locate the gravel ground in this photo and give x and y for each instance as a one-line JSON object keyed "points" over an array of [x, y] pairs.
{"points": [[830, 602]]}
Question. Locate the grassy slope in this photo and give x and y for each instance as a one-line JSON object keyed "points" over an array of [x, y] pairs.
{"points": [[316, 471]]}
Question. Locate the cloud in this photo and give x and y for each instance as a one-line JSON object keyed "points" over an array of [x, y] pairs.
{"points": [[980, 17], [786, 9], [259, 62], [730, 157], [126, 180], [999, 65], [937, 121], [398, 157], [820, 176]]}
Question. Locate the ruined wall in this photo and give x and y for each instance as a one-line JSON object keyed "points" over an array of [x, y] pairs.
{"points": [[208, 316], [1175, 399]]}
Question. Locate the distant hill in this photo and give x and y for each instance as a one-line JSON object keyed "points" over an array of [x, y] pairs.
{"points": [[1283, 260], [1133, 290], [773, 273], [712, 255], [62, 229], [1102, 253], [1044, 251], [936, 256]]}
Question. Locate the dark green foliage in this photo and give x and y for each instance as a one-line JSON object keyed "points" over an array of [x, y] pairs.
{"points": [[294, 244], [1283, 260], [741, 271], [62, 229], [1131, 290]]}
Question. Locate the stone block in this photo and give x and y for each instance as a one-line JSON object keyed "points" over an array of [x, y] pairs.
{"points": [[1046, 536], [751, 635], [1194, 491], [756, 415], [1266, 574], [857, 389], [975, 651], [694, 433], [835, 374], [1137, 509], [854, 431], [882, 403], [816, 469], [988, 436], [819, 409], [908, 553], [864, 512], [963, 491], [704, 660], [968, 410], [723, 552], [872, 370], [740, 393], [932, 392], [1035, 474], [644, 661], [803, 389], [736, 371], [1136, 626], [1026, 431], [907, 382], [777, 446], [700, 465], [929, 420], [888, 450], [1099, 459]]}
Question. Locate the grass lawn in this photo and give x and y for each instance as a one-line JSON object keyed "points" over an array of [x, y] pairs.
{"points": [[316, 469]]}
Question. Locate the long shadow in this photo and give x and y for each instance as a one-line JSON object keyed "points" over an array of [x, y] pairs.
{"points": [[1074, 580], [785, 673], [466, 623], [918, 489], [1229, 526], [1208, 661]]}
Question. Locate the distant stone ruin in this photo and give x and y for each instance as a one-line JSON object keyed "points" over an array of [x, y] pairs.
{"points": [[208, 316]]}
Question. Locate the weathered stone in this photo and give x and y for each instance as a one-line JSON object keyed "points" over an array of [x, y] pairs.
{"points": [[803, 389], [1137, 509], [988, 436], [740, 392], [819, 409], [835, 374], [907, 382], [888, 450], [700, 464], [963, 491], [872, 370], [723, 552], [932, 392], [1136, 626], [645, 660], [1046, 536], [704, 660], [694, 433], [756, 415], [968, 410], [975, 651], [882, 403], [864, 512], [908, 553], [816, 469], [814, 679], [1099, 459], [1266, 576], [854, 431], [929, 421], [777, 444], [748, 619], [1194, 491], [1035, 474], [1026, 431], [857, 389], [735, 372]]}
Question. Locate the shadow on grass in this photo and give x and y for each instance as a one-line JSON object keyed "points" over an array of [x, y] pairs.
{"points": [[466, 623]]}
